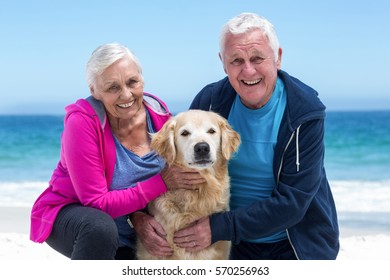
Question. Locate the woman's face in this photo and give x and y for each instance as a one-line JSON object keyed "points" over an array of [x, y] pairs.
{"points": [[120, 88]]}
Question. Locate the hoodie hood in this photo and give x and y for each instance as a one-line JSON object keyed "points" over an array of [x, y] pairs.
{"points": [[303, 103]]}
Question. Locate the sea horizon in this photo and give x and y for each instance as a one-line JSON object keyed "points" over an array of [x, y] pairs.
{"points": [[174, 112]]}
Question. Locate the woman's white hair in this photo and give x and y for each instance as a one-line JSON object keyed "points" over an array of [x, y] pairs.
{"points": [[247, 22], [104, 56]]}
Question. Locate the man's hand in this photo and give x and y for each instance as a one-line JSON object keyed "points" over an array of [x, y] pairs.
{"points": [[196, 237]]}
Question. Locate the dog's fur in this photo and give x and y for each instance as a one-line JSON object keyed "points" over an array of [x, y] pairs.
{"points": [[203, 141]]}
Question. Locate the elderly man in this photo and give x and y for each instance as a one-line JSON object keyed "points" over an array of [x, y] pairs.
{"points": [[281, 204]]}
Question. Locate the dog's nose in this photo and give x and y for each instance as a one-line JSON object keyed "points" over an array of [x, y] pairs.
{"points": [[201, 149]]}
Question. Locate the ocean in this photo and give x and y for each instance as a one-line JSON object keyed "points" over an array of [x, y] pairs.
{"points": [[357, 161]]}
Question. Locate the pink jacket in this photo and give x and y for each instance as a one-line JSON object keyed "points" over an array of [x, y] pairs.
{"points": [[84, 172]]}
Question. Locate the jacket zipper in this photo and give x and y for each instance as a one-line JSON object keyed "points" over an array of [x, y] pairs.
{"points": [[279, 171]]}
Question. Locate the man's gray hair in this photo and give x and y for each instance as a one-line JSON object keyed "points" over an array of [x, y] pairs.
{"points": [[247, 22]]}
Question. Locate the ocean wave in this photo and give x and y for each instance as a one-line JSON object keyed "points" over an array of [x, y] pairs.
{"points": [[361, 196], [20, 194]]}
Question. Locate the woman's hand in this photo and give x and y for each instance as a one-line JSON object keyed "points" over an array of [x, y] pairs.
{"points": [[176, 177], [151, 234], [196, 237]]}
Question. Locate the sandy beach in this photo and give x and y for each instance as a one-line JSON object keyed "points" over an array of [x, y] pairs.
{"points": [[15, 243], [14, 237]]}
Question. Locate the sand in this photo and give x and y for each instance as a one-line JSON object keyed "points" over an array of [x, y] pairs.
{"points": [[15, 243]]}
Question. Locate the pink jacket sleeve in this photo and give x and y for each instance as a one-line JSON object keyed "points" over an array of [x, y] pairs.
{"points": [[83, 156]]}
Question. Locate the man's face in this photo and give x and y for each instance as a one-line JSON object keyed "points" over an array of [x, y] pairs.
{"points": [[249, 62]]}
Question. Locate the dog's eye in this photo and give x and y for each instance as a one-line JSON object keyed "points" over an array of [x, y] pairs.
{"points": [[185, 133], [211, 131]]}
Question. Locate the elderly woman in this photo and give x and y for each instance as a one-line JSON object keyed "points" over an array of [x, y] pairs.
{"points": [[107, 169]]}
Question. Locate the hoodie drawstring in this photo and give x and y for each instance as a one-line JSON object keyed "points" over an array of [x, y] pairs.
{"points": [[296, 134], [297, 148]]}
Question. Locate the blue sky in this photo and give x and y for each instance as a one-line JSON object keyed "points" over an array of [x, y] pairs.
{"points": [[341, 48]]}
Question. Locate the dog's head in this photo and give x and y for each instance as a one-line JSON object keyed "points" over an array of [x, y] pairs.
{"points": [[196, 139]]}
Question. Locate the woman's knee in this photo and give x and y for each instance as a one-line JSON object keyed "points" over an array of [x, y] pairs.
{"points": [[84, 233], [97, 238], [100, 226]]}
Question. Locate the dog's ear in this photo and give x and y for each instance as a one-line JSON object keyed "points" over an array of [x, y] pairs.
{"points": [[230, 139], [163, 141]]}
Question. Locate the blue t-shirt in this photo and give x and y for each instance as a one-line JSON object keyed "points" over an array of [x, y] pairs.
{"points": [[130, 169], [250, 169]]}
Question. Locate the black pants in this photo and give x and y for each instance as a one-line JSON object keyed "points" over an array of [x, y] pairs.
{"points": [[85, 233], [281, 250]]}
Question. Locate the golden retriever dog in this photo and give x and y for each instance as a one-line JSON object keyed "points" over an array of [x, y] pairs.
{"points": [[203, 141]]}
